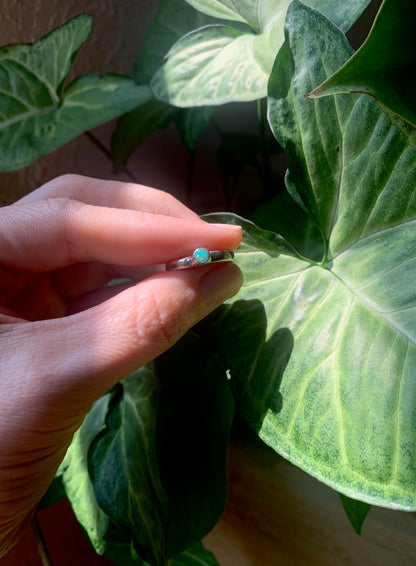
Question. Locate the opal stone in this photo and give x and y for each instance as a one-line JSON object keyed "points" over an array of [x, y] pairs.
{"points": [[201, 255]]}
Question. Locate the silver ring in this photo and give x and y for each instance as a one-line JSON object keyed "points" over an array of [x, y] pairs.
{"points": [[201, 256]]}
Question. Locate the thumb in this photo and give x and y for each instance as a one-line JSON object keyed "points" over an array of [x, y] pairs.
{"points": [[68, 363]]}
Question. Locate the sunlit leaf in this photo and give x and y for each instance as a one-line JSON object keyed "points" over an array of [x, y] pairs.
{"points": [[36, 114], [322, 356], [259, 13], [223, 63], [173, 19], [384, 66], [75, 478]]}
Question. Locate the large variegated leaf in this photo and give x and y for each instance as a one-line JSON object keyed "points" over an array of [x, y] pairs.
{"points": [[260, 13], [173, 19], [36, 116], [323, 355], [218, 64]]}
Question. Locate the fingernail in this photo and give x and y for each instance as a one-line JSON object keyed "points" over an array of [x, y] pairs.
{"points": [[235, 227], [221, 283]]}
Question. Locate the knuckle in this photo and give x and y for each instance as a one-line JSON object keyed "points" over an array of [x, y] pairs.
{"points": [[62, 185], [159, 324], [65, 210]]}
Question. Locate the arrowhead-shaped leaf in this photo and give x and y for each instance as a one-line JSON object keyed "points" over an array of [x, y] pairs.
{"points": [[36, 117], [384, 66], [219, 64], [323, 356]]}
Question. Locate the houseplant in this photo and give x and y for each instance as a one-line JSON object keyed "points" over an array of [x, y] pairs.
{"points": [[316, 350]]}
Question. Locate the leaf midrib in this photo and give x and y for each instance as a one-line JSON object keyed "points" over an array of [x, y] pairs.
{"points": [[359, 297], [365, 302], [26, 116], [49, 87]]}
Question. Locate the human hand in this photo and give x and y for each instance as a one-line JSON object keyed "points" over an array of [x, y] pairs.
{"points": [[66, 337]]}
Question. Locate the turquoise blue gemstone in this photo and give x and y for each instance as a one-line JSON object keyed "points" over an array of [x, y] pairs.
{"points": [[201, 255]]}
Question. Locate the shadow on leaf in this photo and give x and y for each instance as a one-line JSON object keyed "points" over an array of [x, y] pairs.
{"points": [[256, 363]]}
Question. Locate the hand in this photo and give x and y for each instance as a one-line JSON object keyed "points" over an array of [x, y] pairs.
{"points": [[66, 337]]}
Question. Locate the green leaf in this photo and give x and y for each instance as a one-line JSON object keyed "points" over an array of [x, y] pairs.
{"points": [[74, 475], [55, 492], [191, 123], [322, 356], [269, 242], [123, 467], [119, 548], [159, 468], [220, 63], [36, 117], [173, 19], [283, 215], [384, 66], [44, 64], [356, 511], [260, 13], [197, 555]]}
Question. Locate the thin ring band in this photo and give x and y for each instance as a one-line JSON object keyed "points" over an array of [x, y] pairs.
{"points": [[201, 256]]}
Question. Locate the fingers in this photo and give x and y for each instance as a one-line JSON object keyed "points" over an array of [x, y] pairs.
{"points": [[48, 235], [70, 362], [113, 194]]}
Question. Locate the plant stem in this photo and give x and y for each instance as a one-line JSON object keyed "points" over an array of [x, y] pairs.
{"points": [[191, 176], [265, 158], [101, 147], [41, 544]]}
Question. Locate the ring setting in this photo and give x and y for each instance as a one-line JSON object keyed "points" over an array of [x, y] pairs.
{"points": [[200, 256]]}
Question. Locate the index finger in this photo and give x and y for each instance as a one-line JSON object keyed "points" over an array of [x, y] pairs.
{"points": [[112, 194], [48, 235]]}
